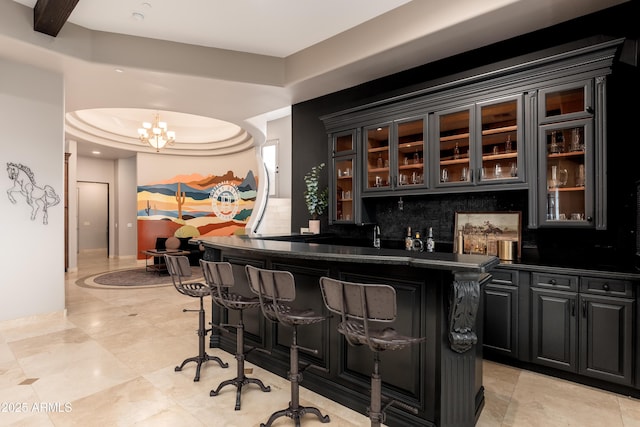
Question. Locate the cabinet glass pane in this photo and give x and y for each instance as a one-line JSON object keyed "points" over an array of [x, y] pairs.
{"points": [[499, 141], [565, 102], [411, 153], [454, 147], [344, 189], [566, 174], [344, 143], [378, 157]]}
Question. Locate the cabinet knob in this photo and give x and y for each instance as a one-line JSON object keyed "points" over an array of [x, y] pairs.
{"points": [[605, 286], [589, 219]]}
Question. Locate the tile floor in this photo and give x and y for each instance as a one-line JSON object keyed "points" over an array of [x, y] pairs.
{"points": [[110, 362]]}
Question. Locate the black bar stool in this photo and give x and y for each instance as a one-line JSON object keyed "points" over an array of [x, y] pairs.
{"points": [[179, 270], [275, 290], [360, 307], [219, 278]]}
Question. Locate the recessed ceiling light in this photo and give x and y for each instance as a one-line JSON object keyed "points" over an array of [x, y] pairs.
{"points": [[138, 16], [95, 152], [119, 70]]}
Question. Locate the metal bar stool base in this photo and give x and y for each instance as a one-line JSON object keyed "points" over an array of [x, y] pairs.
{"points": [[200, 360], [202, 356], [295, 414], [295, 411], [240, 379], [238, 383]]}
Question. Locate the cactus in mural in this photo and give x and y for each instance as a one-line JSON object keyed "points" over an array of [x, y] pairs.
{"points": [[180, 198], [148, 208]]}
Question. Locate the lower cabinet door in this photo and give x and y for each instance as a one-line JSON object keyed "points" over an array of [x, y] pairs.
{"points": [[606, 338], [501, 319], [554, 328]]}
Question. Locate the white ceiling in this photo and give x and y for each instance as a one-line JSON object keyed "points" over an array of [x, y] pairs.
{"points": [[243, 61], [266, 27]]}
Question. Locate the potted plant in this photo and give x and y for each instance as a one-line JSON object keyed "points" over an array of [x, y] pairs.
{"points": [[316, 199]]}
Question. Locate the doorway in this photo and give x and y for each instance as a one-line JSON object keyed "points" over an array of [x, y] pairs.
{"points": [[93, 216]]}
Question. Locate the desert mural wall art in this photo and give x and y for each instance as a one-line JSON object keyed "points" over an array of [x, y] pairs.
{"points": [[194, 204]]}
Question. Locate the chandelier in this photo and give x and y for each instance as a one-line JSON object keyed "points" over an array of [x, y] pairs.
{"points": [[156, 134]]}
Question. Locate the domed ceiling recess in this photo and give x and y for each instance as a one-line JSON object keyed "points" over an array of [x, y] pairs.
{"points": [[117, 128]]}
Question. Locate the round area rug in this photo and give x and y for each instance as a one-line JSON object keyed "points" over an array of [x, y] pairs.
{"points": [[134, 278]]}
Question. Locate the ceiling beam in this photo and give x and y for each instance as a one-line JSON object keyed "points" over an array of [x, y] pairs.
{"points": [[50, 15]]}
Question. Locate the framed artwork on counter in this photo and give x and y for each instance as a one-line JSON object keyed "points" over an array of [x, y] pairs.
{"points": [[481, 231]]}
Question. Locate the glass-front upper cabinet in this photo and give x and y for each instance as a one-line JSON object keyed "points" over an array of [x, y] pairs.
{"points": [[344, 208], [343, 193], [566, 197], [481, 144], [395, 155], [571, 193], [378, 157], [455, 148], [501, 139], [410, 158], [344, 144], [565, 102]]}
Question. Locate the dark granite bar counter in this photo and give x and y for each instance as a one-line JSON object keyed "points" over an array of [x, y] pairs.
{"points": [[352, 254], [438, 297]]}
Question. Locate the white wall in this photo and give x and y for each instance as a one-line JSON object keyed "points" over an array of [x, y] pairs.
{"points": [[126, 232], [32, 261], [280, 129], [71, 148], [277, 212]]}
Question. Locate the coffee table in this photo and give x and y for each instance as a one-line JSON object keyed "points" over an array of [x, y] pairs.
{"points": [[160, 266]]}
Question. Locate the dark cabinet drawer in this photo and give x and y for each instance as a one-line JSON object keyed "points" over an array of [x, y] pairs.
{"points": [[555, 281], [504, 277], [603, 286]]}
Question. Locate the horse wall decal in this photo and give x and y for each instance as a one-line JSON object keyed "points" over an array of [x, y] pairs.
{"points": [[24, 183]]}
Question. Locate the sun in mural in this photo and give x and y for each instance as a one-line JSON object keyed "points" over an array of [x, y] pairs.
{"points": [[225, 200]]}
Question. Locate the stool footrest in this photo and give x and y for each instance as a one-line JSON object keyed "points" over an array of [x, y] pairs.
{"points": [[399, 404], [261, 350], [307, 350], [220, 327], [306, 366]]}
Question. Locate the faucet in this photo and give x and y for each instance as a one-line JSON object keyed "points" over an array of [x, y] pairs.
{"points": [[376, 236]]}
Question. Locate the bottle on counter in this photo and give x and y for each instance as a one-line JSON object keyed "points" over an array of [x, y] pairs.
{"points": [[408, 241], [431, 244], [460, 243], [376, 236], [417, 244]]}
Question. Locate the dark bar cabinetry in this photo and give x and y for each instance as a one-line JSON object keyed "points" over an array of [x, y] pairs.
{"points": [[564, 320], [438, 297], [538, 124]]}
